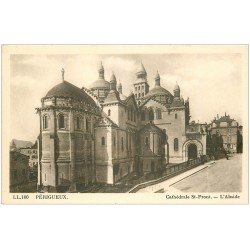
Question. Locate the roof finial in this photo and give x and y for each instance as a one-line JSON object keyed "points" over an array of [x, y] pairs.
{"points": [[120, 87], [157, 79], [101, 70], [63, 71]]}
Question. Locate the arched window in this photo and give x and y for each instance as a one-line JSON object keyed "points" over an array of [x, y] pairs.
{"points": [[61, 122], [175, 116], [135, 95], [87, 125], [45, 122], [122, 145], [78, 123], [139, 95], [158, 114], [103, 141], [139, 103], [151, 115], [176, 144], [143, 115], [146, 141], [109, 112]]}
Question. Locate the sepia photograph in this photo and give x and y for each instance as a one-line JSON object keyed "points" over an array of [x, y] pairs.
{"points": [[124, 124], [119, 120]]}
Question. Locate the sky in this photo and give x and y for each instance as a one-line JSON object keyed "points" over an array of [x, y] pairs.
{"points": [[213, 82]]}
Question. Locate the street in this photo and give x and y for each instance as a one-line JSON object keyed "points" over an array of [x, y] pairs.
{"points": [[215, 176], [223, 176]]}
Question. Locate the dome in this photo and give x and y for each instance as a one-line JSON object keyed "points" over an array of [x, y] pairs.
{"points": [[100, 67], [100, 84], [176, 87], [141, 69], [113, 78], [157, 76], [66, 89], [158, 90]]}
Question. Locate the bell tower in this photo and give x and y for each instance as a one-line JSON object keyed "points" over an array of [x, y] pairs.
{"points": [[141, 86]]}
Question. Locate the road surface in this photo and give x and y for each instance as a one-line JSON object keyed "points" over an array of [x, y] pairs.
{"points": [[215, 176], [223, 176]]}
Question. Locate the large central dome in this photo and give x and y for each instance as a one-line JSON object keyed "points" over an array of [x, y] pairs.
{"points": [[66, 89]]}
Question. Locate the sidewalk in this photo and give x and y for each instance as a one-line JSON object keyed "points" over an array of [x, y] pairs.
{"points": [[166, 186]]}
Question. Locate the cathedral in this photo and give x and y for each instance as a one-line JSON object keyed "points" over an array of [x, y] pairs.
{"points": [[99, 135]]}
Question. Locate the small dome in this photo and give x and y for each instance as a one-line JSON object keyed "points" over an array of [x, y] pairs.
{"points": [[158, 90], [100, 84], [176, 87], [157, 79], [66, 89], [141, 69], [113, 78], [157, 76], [100, 67]]}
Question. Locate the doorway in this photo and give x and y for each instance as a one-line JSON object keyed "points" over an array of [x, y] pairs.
{"points": [[192, 151]]}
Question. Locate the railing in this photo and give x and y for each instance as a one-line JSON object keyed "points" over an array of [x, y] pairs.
{"points": [[172, 171]]}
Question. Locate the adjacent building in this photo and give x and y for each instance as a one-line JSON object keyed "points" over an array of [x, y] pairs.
{"points": [[19, 169], [99, 135], [31, 152], [230, 132]]}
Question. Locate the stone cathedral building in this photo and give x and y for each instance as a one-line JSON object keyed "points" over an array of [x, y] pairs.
{"points": [[99, 135]]}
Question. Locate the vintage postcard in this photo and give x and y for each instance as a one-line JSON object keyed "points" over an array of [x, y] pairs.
{"points": [[125, 124]]}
